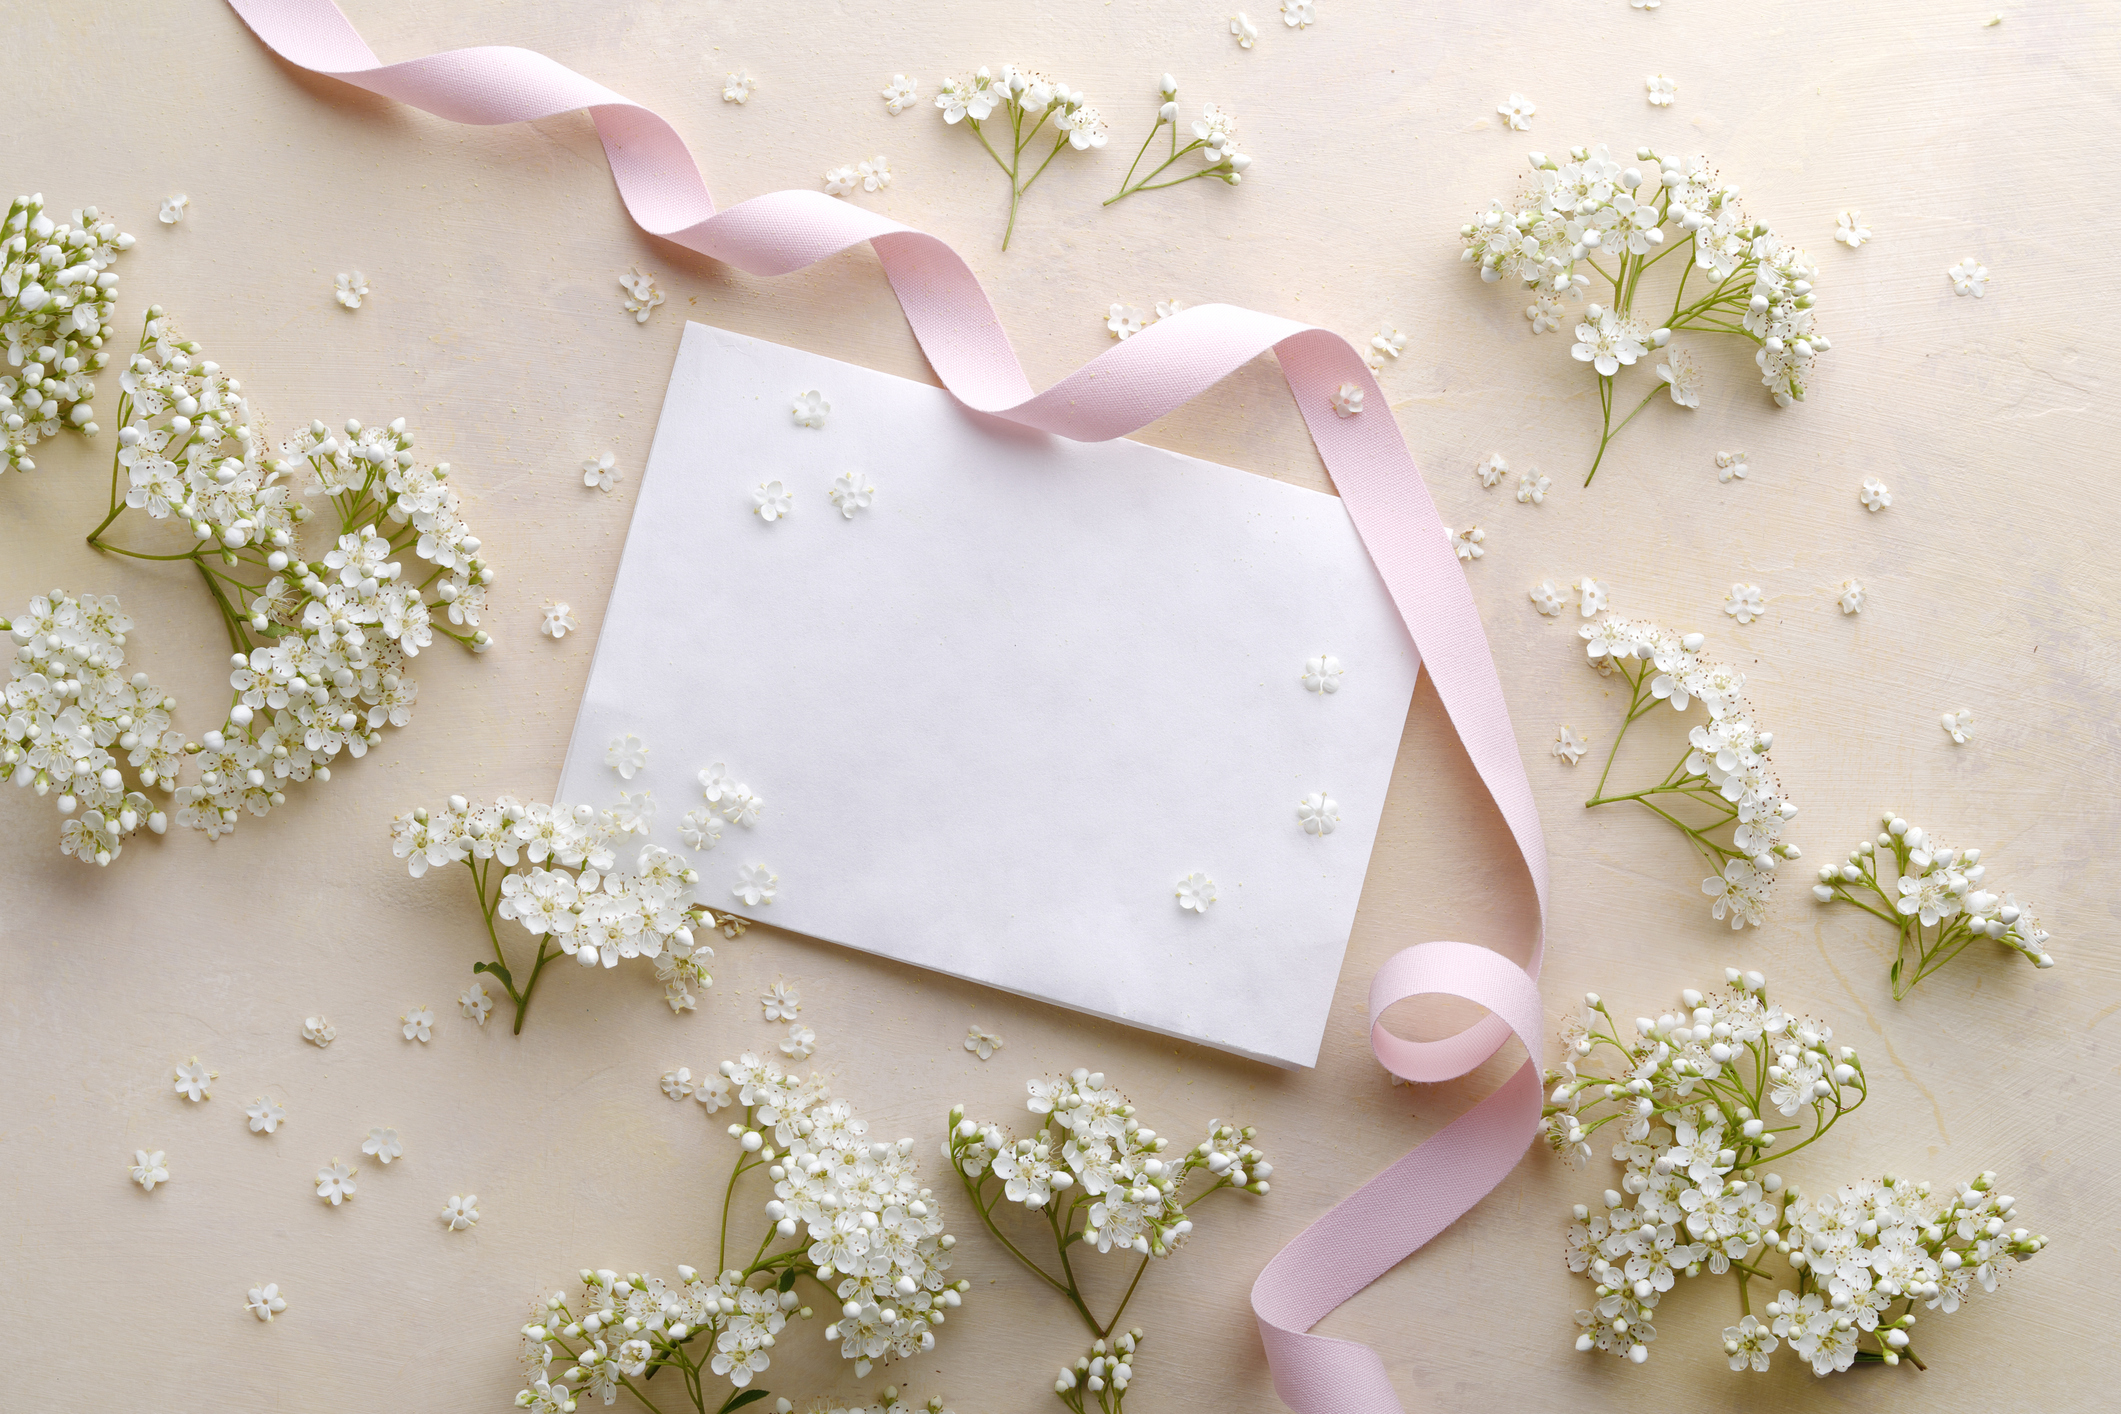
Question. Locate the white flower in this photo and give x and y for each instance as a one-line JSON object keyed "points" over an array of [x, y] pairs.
{"points": [[1546, 598], [1517, 111], [1545, 313], [193, 1080], [1850, 230], [875, 174], [1532, 487], [1590, 596], [1731, 464], [474, 1002], [265, 1116], [851, 492], [714, 1092], [1124, 320], [1246, 32], [1741, 892], [841, 180], [336, 1184], [1959, 726], [149, 1169], [800, 1041], [601, 472], [772, 501], [1607, 342], [1743, 603], [318, 1031], [900, 94], [626, 755], [717, 784], [1684, 375], [559, 620], [783, 1003], [1851, 597], [811, 409], [737, 88], [1569, 746], [700, 829], [1969, 277], [755, 884], [1347, 400], [352, 289], [1318, 813], [1645, 4], [1298, 14], [1467, 542], [1492, 470], [1661, 90], [1169, 309], [1874, 494], [1389, 341], [383, 1144], [1749, 1343], [265, 1302], [641, 294], [677, 1083], [742, 807], [461, 1211], [1195, 892], [173, 208], [982, 1043], [418, 1024], [1322, 674]]}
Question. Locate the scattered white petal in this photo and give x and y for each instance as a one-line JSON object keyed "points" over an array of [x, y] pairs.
{"points": [[738, 87], [1196, 891], [1389, 341], [1247, 34], [1661, 90], [319, 1031], [1547, 599], [419, 1024], [1347, 400], [1591, 596], [475, 1003], [982, 1043], [1850, 230], [1993, 20], [149, 1169], [742, 807], [755, 884], [1169, 309], [193, 1081], [265, 1116], [461, 1212], [1492, 470], [677, 1083], [1545, 313], [851, 492], [173, 208], [1851, 597], [700, 829], [1466, 542], [1959, 726], [559, 620], [783, 1003], [1532, 488], [800, 1040], [901, 93], [1874, 494], [1731, 464], [1298, 14], [383, 1144], [1684, 375], [336, 1184], [1124, 321], [1743, 603], [772, 501], [1969, 277], [811, 409], [875, 173], [1322, 674], [601, 472], [841, 180], [1318, 813], [352, 289], [641, 294], [265, 1301], [627, 755], [1517, 111], [1569, 746]]}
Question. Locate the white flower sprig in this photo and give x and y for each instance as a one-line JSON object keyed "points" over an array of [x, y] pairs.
{"points": [[1103, 1375], [1724, 768], [1100, 1179], [1693, 1099], [1595, 214], [1214, 138], [1935, 898], [553, 869], [56, 292], [848, 1215], [1026, 100]]}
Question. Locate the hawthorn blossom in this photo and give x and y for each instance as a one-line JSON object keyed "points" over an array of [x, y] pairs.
{"points": [[335, 1183], [982, 1043], [1347, 400], [799, 1042], [642, 296], [1247, 33], [811, 409], [1195, 892], [1969, 277], [1591, 596], [1959, 726], [265, 1301], [265, 1116], [1607, 341], [1467, 542], [461, 1212], [1298, 14], [173, 209], [352, 289], [418, 1024], [601, 472], [1683, 376], [737, 88], [474, 1003], [559, 620], [1318, 814], [1744, 603], [1516, 111], [1124, 321], [1852, 596], [1850, 230], [627, 755], [149, 1169], [1546, 598], [1661, 90], [193, 1080], [1492, 470], [1532, 487], [383, 1144], [772, 501], [900, 94], [1569, 746], [1322, 674], [755, 884], [1874, 495], [783, 1003], [1731, 465]]}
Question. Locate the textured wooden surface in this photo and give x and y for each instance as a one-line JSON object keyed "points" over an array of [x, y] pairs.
{"points": [[495, 327]]}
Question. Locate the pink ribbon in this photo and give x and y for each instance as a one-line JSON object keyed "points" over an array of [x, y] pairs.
{"points": [[1124, 388]]}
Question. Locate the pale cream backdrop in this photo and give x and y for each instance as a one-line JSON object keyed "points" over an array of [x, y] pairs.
{"points": [[495, 327]]}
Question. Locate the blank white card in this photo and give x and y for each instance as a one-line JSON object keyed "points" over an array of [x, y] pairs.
{"points": [[996, 716]]}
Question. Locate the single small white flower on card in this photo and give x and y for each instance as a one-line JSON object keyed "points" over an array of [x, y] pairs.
{"points": [[418, 1024], [1517, 111], [811, 409], [1492, 470], [1569, 746], [1969, 277], [601, 472], [461, 1212], [1959, 726], [1743, 603], [738, 86], [1467, 542], [1347, 400], [1591, 596], [900, 94], [1683, 375], [352, 289], [841, 180], [1318, 813], [1545, 313], [875, 173], [755, 884], [1389, 341], [982, 1043], [383, 1144], [783, 1003], [635, 812], [641, 294], [714, 1092], [335, 1184], [1532, 488], [1661, 90], [1242, 28], [700, 829], [149, 1169], [627, 754], [1731, 464], [1297, 14], [1874, 494], [772, 501], [265, 1301], [742, 807], [1322, 674], [1546, 598], [173, 208], [319, 1031], [1850, 230], [559, 620], [1195, 892], [265, 1116], [474, 1003], [194, 1080], [852, 493], [1124, 321], [1851, 597], [717, 784], [1169, 309], [677, 1083], [800, 1041]]}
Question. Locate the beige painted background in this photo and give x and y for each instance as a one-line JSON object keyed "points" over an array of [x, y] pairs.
{"points": [[495, 327]]}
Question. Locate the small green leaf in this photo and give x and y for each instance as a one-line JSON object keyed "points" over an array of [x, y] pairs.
{"points": [[497, 970], [787, 1282], [741, 1398]]}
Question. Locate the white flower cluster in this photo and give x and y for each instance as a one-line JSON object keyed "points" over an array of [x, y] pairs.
{"points": [[1214, 141], [554, 869], [1025, 100], [1724, 770], [56, 292], [70, 708], [1103, 1375], [1936, 897]]}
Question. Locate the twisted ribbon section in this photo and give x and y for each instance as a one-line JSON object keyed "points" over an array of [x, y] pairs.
{"points": [[1128, 386]]}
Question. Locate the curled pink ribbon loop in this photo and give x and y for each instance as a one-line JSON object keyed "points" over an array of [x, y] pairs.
{"points": [[1124, 388]]}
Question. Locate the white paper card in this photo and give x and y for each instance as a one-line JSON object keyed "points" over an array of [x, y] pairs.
{"points": [[996, 716]]}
